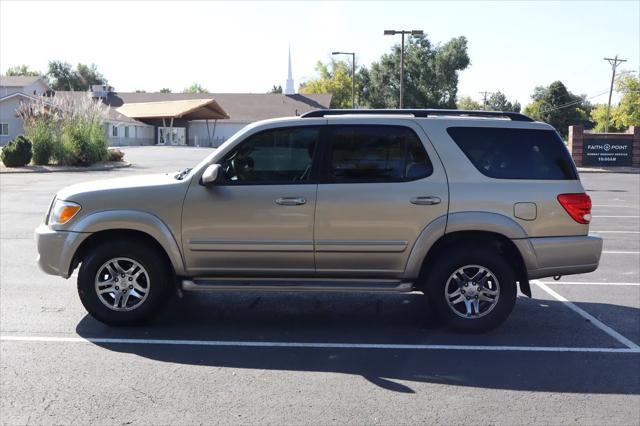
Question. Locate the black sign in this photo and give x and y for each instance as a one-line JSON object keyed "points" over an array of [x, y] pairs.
{"points": [[607, 152]]}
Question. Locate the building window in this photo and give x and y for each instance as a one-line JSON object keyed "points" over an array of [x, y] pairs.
{"points": [[126, 131], [4, 129], [114, 131]]}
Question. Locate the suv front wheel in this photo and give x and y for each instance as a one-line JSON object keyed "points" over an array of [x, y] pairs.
{"points": [[473, 291], [123, 282]]}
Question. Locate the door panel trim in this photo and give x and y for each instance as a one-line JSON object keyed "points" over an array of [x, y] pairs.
{"points": [[361, 246], [251, 245]]}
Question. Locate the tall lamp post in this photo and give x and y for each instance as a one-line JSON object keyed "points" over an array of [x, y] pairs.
{"points": [[402, 32], [353, 75]]}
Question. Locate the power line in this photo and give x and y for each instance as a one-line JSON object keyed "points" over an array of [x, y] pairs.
{"points": [[575, 102]]}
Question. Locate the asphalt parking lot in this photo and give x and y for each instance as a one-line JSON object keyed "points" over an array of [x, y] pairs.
{"points": [[568, 355]]}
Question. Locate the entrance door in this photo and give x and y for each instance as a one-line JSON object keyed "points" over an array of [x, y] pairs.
{"points": [[258, 220], [172, 135], [381, 185]]}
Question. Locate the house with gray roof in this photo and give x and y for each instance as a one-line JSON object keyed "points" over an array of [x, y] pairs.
{"points": [[196, 119], [236, 110], [13, 90]]}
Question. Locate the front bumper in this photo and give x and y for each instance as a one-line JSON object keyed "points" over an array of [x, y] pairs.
{"points": [[56, 249], [550, 256]]}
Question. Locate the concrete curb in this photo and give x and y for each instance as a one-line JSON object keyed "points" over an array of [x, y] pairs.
{"points": [[99, 167], [628, 170]]}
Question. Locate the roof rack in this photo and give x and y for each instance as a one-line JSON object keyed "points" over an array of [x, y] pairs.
{"points": [[514, 116]]}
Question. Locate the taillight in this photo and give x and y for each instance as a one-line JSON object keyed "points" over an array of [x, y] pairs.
{"points": [[577, 205]]}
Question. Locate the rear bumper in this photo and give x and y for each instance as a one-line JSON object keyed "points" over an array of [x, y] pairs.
{"points": [[549, 256]]}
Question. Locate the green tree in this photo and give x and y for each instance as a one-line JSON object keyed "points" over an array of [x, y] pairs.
{"points": [[558, 106], [22, 70], [599, 116], [195, 88], [334, 78], [276, 89], [64, 77], [498, 102], [431, 75], [628, 111], [466, 103], [165, 90]]}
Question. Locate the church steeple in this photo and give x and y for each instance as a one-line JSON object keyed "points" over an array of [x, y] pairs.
{"points": [[289, 90]]}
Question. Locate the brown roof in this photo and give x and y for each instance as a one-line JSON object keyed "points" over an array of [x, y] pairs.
{"points": [[242, 107], [191, 109], [18, 80]]}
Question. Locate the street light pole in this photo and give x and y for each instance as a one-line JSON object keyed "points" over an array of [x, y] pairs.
{"points": [[353, 75], [402, 33]]}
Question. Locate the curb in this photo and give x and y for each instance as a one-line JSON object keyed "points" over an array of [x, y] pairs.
{"points": [[66, 169]]}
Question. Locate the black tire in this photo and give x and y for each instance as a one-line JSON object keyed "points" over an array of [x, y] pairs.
{"points": [[452, 260], [159, 286]]}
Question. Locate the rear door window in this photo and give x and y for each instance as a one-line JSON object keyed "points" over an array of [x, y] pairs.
{"points": [[503, 153], [375, 154]]}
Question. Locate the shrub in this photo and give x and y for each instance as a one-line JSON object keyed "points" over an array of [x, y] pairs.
{"points": [[85, 142], [41, 133], [115, 154], [17, 153]]}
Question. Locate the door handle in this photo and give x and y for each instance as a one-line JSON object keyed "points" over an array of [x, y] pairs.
{"points": [[425, 201], [290, 201]]}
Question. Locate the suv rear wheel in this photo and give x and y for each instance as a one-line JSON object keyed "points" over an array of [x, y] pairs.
{"points": [[123, 282], [473, 291]]}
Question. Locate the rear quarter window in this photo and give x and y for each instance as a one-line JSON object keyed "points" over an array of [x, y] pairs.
{"points": [[502, 153]]}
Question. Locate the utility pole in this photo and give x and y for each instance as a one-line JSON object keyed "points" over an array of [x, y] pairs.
{"points": [[614, 64], [402, 32], [484, 98]]}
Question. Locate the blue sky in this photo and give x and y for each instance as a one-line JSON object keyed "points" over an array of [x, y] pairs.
{"points": [[242, 46]]}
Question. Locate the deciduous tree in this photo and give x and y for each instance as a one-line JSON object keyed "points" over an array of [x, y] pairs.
{"points": [[195, 88], [559, 107], [22, 70], [431, 75], [335, 78]]}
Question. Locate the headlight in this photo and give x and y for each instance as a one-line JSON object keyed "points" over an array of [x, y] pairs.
{"points": [[62, 212]]}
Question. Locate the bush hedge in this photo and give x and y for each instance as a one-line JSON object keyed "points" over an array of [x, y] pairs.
{"points": [[84, 143], [17, 153], [42, 135]]}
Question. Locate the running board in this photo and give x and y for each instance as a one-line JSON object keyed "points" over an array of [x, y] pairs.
{"points": [[357, 286]]}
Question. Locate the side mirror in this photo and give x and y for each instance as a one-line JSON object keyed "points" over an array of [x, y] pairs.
{"points": [[210, 174]]}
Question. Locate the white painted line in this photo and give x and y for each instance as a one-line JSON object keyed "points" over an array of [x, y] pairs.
{"points": [[590, 283], [618, 216], [314, 345], [620, 252], [615, 232], [593, 320]]}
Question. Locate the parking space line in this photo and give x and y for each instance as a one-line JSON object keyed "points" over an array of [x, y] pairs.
{"points": [[590, 283], [593, 320], [312, 345]]}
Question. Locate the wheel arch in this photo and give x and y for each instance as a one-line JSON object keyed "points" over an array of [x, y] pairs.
{"points": [[122, 225], [464, 239]]}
